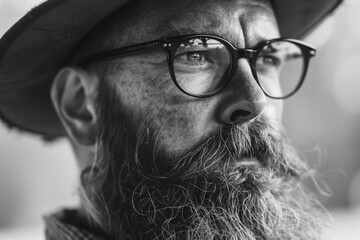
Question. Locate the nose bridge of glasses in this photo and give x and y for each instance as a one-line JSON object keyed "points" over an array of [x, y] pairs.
{"points": [[245, 53]]}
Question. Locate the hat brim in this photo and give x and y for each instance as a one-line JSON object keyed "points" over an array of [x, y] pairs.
{"points": [[35, 48]]}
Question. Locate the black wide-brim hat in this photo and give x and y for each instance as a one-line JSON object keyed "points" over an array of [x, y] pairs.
{"points": [[35, 48]]}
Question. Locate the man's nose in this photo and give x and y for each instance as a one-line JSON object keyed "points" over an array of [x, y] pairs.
{"points": [[243, 99]]}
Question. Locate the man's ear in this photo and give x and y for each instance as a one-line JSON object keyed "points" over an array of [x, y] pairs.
{"points": [[73, 93]]}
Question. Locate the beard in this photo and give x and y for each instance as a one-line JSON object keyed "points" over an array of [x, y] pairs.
{"points": [[243, 182]]}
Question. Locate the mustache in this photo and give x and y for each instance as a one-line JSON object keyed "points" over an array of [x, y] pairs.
{"points": [[258, 145]]}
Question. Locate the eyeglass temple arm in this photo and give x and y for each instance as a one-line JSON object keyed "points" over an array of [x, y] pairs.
{"points": [[115, 53]]}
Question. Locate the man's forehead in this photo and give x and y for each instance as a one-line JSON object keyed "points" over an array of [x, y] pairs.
{"points": [[219, 17], [235, 20]]}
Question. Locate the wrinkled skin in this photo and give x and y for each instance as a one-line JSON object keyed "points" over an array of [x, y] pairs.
{"points": [[164, 165], [147, 89]]}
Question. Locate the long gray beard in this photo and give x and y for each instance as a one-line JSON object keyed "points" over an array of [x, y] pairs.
{"points": [[136, 190]]}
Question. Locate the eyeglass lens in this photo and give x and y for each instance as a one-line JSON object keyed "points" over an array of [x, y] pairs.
{"points": [[201, 65], [279, 68]]}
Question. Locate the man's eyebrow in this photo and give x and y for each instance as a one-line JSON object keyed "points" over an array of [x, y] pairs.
{"points": [[173, 30], [179, 31], [176, 27]]}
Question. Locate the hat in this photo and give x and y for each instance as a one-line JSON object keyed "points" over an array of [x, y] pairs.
{"points": [[36, 47]]}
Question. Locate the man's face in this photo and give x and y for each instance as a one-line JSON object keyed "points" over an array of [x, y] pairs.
{"points": [[145, 88], [172, 166]]}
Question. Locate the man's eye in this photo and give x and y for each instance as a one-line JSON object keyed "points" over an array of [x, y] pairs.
{"points": [[194, 57]]}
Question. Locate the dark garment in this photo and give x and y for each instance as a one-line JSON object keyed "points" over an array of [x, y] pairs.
{"points": [[66, 225]]}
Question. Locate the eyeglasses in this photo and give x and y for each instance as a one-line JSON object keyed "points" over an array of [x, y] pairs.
{"points": [[203, 65]]}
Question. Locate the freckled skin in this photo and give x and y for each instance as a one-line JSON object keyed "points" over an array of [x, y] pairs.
{"points": [[144, 84]]}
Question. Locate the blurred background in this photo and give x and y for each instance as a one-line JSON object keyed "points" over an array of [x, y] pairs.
{"points": [[323, 119]]}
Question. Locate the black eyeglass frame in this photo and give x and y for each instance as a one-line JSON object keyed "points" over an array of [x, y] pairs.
{"points": [[170, 45]]}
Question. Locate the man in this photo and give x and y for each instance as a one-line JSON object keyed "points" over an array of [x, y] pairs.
{"points": [[173, 109]]}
